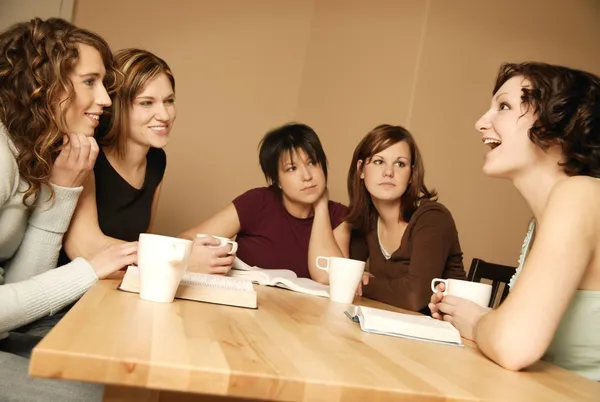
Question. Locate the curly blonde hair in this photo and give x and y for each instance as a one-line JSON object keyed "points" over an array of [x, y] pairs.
{"points": [[36, 58]]}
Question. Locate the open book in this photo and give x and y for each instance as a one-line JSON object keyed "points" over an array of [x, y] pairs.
{"points": [[409, 326], [216, 289], [283, 278]]}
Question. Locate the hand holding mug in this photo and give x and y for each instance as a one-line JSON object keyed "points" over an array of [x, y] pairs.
{"points": [[363, 282], [210, 255], [462, 313]]}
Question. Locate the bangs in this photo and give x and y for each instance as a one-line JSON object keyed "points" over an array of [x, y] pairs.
{"points": [[292, 144], [379, 145]]}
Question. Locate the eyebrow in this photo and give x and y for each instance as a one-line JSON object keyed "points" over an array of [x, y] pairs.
{"points": [[379, 156], [500, 94], [95, 75], [152, 97]]}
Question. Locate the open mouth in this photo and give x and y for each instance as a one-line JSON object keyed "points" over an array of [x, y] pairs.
{"points": [[159, 129], [492, 143], [95, 118]]}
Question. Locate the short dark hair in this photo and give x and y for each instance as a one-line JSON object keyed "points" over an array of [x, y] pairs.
{"points": [[362, 212], [285, 139], [566, 105]]}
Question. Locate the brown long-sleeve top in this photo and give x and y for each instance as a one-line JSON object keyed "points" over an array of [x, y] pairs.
{"points": [[429, 249]]}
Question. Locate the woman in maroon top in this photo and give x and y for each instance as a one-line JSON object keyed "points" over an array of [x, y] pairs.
{"points": [[287, 224], [408, 237]]}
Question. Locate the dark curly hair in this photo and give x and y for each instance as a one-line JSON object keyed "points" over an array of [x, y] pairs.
{"points": [[36, 58], [566, 104], [361, 211]]}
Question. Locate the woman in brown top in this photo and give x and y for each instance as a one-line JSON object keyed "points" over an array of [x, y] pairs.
{"points": [[408, 237]]}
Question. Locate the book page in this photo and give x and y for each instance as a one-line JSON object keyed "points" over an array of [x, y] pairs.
{"points": [[242, 266], [411, 326], [217, 281], [303, 285]]}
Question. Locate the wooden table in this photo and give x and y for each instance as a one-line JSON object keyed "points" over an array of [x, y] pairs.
{"points": [[293, 347]]}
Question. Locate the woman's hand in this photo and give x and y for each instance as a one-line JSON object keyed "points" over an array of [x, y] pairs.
{"points": [[364, 282], [207, 258], [323, 202], [435, 299], [75, 160], [113, 258], [462, 313]]}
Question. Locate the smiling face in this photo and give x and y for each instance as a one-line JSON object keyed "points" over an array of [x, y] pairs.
{"points": [[300, 178], [505, 130], [153, 113], [387, 173], [90, 99]]}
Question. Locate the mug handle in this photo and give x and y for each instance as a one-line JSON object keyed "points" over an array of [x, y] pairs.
{"points": [[434, 283], [177, 253], [326, 267], [234, 247]]}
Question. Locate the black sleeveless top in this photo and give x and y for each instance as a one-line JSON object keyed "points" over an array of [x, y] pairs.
{"points": [[124, 211]]}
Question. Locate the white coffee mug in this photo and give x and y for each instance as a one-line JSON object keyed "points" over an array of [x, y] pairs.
{"points": [[344, 276], [222, 242], [162, 262], [477, 292]]}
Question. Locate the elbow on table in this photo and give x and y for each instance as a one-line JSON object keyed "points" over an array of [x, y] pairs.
{"points": [[515, 355], [512, 361]]}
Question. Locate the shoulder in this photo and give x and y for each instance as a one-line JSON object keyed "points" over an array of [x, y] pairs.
{"points": [[576, 196], [432, 213], [157, 158], [337, 213], [431, 208], [337, 208], [8, 166], [257, 197], [576, 187]]}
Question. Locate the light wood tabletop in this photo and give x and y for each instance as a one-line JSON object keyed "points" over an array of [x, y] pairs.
{"points": [[294, 347]]}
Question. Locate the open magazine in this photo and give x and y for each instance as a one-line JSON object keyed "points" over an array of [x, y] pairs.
{"points": [[283, 278]]}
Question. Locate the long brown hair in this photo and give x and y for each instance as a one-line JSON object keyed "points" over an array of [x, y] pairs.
{"points": [[362, 212], [138, 67], [36, 58]]}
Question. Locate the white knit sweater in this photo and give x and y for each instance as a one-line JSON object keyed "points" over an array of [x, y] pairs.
{"points": [[30, 239]]}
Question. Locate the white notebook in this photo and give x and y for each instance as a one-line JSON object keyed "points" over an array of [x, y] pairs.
{"points": [[409, 326], [216, 289], [283, 278]]}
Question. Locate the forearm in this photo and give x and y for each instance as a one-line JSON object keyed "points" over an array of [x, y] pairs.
{"points": [[44, 294], [321, 243], [88, 246], [41, 244]]}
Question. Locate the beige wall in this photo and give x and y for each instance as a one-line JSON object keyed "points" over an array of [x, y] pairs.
{"points": [[13, 11], [344, 66]]}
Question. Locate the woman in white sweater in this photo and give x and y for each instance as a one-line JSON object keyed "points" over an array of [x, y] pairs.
{"points": [[53, 89]]}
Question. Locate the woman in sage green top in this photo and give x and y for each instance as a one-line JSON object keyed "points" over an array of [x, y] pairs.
{"points": [[543, 130]]}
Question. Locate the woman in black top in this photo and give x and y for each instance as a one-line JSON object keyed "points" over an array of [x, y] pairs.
{"points": [[119, 200]]}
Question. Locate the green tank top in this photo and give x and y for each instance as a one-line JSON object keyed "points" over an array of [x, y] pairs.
{"points": [[576, 343]]}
